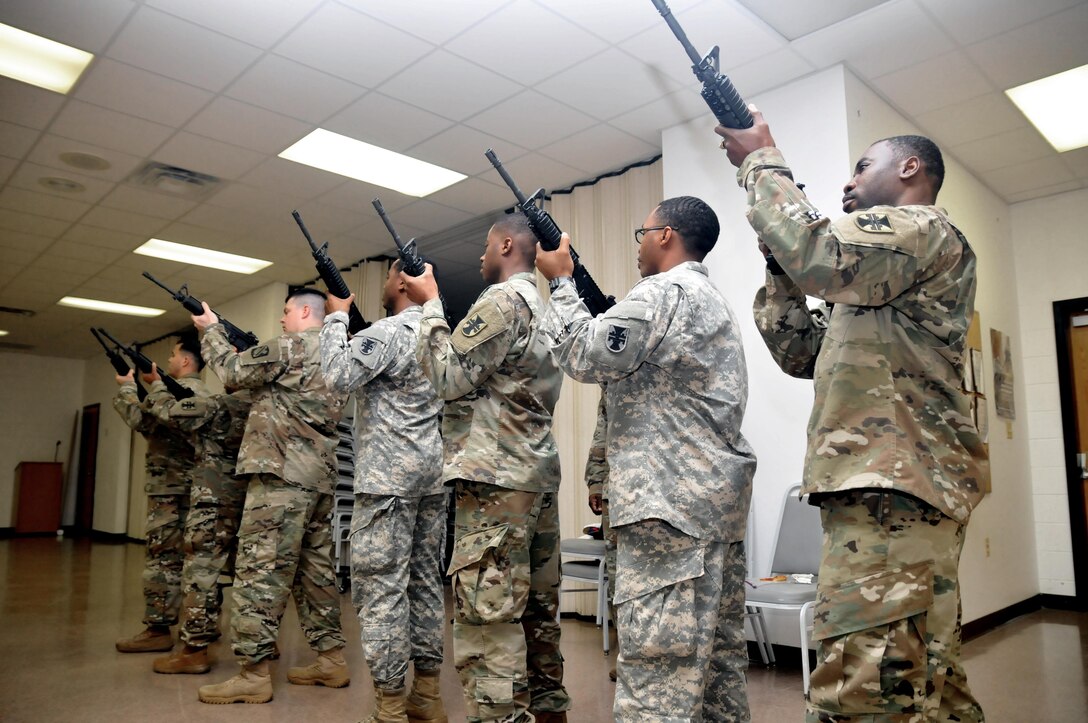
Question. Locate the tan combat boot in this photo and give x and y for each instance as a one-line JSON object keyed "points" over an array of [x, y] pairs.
{"points": [[425, 701], [330, 670], [188, 660], [252, 685], [155, 639], [389, 706]]}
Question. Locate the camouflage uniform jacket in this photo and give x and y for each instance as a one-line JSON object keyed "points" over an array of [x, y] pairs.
{"points": [[291, 430], [500, 385], [671, 355], [216, 423], [170, 454], [596, 472], [397, 440], [889, 410]]}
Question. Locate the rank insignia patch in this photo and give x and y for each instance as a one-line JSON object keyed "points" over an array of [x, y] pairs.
{"points": [[617, 338], [474, 326], [874, 222], [366, 346], [188, 405], [259, 351]]}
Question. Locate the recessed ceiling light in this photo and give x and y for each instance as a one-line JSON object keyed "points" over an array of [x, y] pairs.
{"points": [[1057, 107], [84, 161], [64, 185], [40, 61], [348, 157], [109, 306], [201, 257]]}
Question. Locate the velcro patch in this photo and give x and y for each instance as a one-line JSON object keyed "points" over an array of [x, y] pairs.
{"points": [[191, 407], [368, 347], [874, 222], [484, 321], [260, 354]]}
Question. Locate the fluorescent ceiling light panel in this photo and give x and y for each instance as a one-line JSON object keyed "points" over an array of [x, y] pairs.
{"points": [[1057, 106], [111, 307], [40, 61], [348, 157], [201, 257], [3, 333]]}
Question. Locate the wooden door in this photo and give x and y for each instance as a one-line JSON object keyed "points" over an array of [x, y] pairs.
{"points": [[88, 463]]}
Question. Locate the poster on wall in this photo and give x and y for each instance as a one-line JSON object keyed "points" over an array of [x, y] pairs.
{"points": [[1001, 347]]}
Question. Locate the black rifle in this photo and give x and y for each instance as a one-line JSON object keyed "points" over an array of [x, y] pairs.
{"points": [[718, 91], [410, 263], [549, 236], [119, 364], [241, 340], [328, 272], [143, 364]]}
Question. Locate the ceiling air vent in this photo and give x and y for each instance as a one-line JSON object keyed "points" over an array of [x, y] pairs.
{"points": [[15, 310], [174, 181]]}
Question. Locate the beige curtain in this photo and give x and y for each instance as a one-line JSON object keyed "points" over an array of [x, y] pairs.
{"points": [[366, 281], [601, 220]]}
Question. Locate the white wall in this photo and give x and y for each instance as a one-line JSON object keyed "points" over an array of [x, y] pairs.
{"points": [[1051, 253], [39, 399]]}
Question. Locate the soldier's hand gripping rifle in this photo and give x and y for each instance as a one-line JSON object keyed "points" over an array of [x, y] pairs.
{"points": [[549, 236], [241, 340], [119, 364], [143, 364], [328, 272], [410, 263], [718, 91]]}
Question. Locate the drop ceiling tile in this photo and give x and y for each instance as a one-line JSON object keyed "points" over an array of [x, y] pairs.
{"points": [[429, 216], [796, 18], [113, 219], [73, 251], [1015, 58], [531, 120], [475, 196], [248, 126], [969, 21], [19, 257], [648, 121], [1027, 176], [342, 42], [462, 149], [325, 221], [29, 223], [449, 86], [32, 298], [1004, 149], [257, 22], [53, 19], [630, 84], [224, 219], [109, 129], [166, 45], [83, 268], [161, 205], [29, 174], [436, 23], [979, 117], [1042, 192], [26, 105], [1076, 161], [7, 166], [612, 20], [888, 37], [41, 275], [184, 233], [51, 147], [772, 70], [500, 42], [126, 89], [205, 155], [356, 194], [386, 122], [294, 90], [913, 88], [294, 179], [533, 171], [12, 239], [82, 234], [250, 198], [599, 149], [15, 140], [42, 204]]}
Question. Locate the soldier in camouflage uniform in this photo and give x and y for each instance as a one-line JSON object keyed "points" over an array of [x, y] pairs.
{"points": [[216, 424], [894, 458], [500, 387], [596, 474], [285, 538], [680, 472], [170, 459], [398, 525]]}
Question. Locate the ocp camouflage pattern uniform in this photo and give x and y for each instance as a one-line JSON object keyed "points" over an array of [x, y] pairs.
{"points": [[169, 463], [596, 474], [398, 524], [288, 451], [893, 457], [216, 424], [501, 387], [680, 482]]}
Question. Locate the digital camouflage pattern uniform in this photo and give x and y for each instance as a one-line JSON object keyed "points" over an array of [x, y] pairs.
{"points": [[679, 485], [893, 457], [501, 387], [288, 451], [216, 424], [596, 474], [170, 459], [398, 525]]}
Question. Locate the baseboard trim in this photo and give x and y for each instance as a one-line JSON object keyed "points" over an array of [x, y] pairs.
{"points": [[6, 532], [986, 623], [113, 538], [1063, 602]]}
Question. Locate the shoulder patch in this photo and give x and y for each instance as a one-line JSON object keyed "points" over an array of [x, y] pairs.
{"points": [[260, 354], [894, 229], [368, 347], [191, 407], [874, 222], [484, 321]]}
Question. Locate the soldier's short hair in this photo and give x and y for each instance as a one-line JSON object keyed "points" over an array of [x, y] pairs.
{"points": [[926, 151], [190, 344], [516, 226], [311, 297], [695, 221]]}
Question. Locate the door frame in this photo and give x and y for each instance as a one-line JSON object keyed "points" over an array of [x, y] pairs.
{"points": [[86, 479], [1078, 525]]}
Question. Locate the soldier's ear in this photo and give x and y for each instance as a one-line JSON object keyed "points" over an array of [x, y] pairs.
{"points": [[909, 167], [506, 246]]}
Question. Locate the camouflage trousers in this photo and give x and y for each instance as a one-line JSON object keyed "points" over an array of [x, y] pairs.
{"points": [[165, 557], [609, 535], [887, 619], [680, 602], [396, 583], [284, 549], [505, 572], [211, 532]]}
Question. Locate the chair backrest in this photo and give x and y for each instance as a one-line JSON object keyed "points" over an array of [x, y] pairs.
{"points": [[800, 536]]}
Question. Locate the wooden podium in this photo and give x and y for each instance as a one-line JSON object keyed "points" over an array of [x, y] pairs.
{"points": [[38, 488]]}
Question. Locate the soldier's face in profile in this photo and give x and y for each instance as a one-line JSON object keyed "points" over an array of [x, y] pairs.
{"points": [[489, 261], [292, 320], [174, 363], [392, 287], [649, 250], [875, 181]]}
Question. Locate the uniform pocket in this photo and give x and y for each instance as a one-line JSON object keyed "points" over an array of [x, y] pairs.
{"points": [[259, 536], [657, 613], [495, 697], [373, 535], [484, 578]]}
